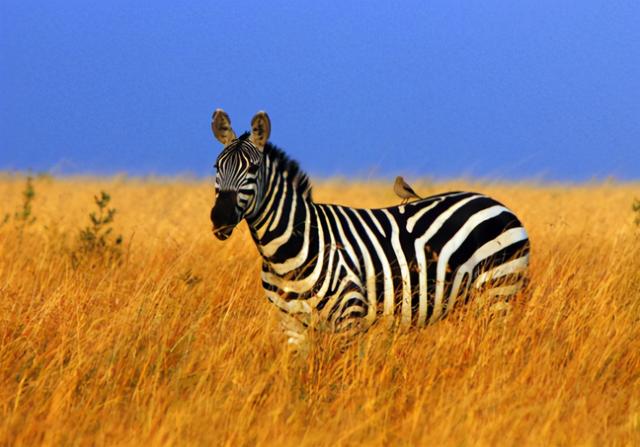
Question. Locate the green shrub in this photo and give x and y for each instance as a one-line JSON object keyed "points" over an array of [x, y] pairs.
{"points": [[97, 241], [24, 216]]}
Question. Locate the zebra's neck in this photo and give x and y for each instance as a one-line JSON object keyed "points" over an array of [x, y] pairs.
{"points": [[279, 221]]}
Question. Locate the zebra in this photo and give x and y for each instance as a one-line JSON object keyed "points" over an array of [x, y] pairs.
{"points": [[343, 268]]}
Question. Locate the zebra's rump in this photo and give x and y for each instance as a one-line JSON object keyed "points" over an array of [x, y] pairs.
{"points": [[431, 252]]}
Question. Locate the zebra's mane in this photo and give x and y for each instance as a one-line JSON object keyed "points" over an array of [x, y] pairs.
{"points": [[283, 163]]}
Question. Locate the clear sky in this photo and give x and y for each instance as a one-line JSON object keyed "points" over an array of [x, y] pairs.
{"points": [[541, 89]]}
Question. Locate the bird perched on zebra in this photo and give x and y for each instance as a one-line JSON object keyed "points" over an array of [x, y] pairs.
{"points": [[347, 267], [404, 191]]}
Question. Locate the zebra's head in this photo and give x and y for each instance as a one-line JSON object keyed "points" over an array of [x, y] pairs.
{"points": [[238, 167]]}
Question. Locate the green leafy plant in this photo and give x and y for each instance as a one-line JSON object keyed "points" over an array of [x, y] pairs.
{"points": [[24, 216], [97, 240]]}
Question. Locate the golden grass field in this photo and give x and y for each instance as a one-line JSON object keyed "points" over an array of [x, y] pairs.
{"points": [[173, 343]]}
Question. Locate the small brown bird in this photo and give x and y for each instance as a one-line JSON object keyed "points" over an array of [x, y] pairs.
{"points": [[404, 191]]}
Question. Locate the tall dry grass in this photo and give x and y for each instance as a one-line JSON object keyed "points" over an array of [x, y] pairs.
{"points": [[174, 344]]}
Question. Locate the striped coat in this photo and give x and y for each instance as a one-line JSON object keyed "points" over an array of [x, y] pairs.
{"points": [[346, 267]]}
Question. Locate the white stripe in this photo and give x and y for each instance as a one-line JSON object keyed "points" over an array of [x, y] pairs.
{"points": [[350, 277], [505, 239], [514, 266], [404, 270], [505, 290], [283, 200], [269, 249], [451, 246], [420, 256], [344, 241], [299, 285], [292, 307], [331, 248], [386, 269], [261, 221], [411, 222], [370, 273], [375, 221], [299, 259]]}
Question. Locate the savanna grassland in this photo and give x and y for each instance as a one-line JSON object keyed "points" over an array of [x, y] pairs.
{"points": [[163, 337]]}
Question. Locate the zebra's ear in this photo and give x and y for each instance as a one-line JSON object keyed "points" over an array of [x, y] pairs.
{"points": [[260, 129], [221, 127]]}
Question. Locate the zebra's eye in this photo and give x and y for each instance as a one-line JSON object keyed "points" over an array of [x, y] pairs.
{"points": [[252, 169]]}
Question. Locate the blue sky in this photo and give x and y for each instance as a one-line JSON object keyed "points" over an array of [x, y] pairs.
{"points": [[492, 89]]}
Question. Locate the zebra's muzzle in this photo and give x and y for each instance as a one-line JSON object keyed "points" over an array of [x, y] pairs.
{"points": [[223, 214]]}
